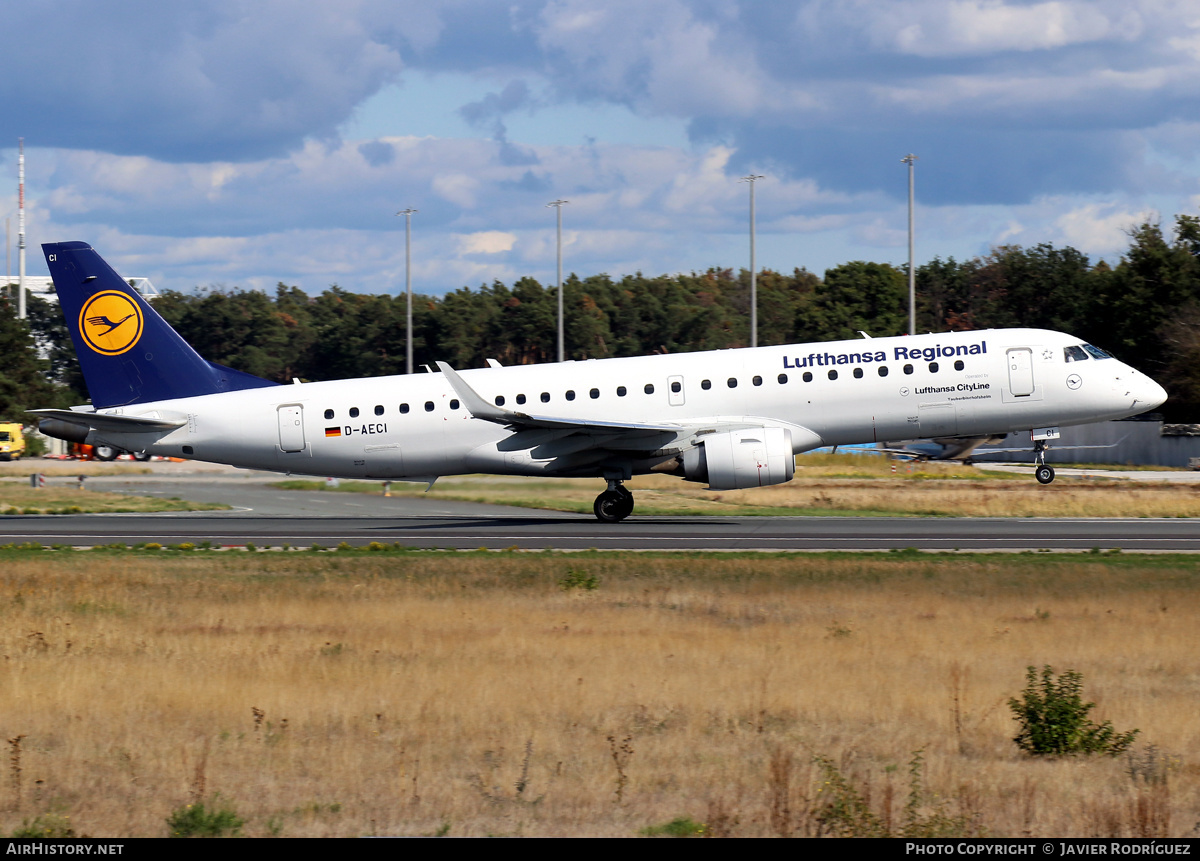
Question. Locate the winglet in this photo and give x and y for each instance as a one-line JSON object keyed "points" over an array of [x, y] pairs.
{"points": [[474, 403]]}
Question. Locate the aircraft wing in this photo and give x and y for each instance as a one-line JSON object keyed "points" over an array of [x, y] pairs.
{"points": [[1049, 448], [576, 445]]}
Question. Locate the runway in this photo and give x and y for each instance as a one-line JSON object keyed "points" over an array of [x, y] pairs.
{"points": [[266, 516]]}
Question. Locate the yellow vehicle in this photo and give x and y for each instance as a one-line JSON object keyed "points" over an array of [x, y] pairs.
{"points": [[12, 441]]}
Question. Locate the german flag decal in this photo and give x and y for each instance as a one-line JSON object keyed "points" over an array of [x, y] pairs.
{"points": [[333, 432]]}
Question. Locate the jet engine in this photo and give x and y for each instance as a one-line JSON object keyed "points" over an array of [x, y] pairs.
{"points": [[743, 458], [60, 429]]}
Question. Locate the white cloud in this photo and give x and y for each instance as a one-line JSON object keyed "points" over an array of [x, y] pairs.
{"points": [[486, 242], [966, 27], [201, 139], [1100, 228]]}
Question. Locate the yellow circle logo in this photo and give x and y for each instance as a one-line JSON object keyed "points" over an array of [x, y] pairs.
{"points": [[110, 322]]}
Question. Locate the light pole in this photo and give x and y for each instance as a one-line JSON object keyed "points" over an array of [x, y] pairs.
{"points": [[21, 230], [910, 159], [752, 178], [558, 205], [408, 214]]}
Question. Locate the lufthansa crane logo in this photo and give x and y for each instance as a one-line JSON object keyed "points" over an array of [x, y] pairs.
{"points": [[110, 322]]}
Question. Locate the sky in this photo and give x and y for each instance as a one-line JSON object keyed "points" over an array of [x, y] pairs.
{"points": [[232, 143]]}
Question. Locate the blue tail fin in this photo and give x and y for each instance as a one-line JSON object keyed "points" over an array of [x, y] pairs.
{"points": [[129, 354]]}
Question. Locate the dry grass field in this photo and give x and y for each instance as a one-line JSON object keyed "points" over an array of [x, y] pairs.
{"points": [[843, 485], [358, 692]]}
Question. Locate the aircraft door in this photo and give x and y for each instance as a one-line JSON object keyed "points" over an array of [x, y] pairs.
{"points": [[675, 391], [1020, 372], [291, 427]]}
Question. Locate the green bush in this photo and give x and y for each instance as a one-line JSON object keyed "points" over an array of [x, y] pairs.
{"points": [[1054, 718], [577, 578], [682, 826], [197, 820], [48, 825]]}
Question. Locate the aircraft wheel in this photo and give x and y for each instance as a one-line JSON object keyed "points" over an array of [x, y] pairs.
{"points": [[613, 506], [1044, 474], [141, 456], [105, 452]]}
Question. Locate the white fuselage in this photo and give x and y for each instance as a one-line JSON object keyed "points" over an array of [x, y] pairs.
{"points": [[885, 388]]}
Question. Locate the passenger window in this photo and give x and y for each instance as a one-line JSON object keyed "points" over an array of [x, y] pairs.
{"points": [[545, 397], [570, 394], [883, 371], [858, 373], [808, 376], [328, 414], [403, 409], [731, 382], [908, 369], [1075, 354], [833, 375], [429, 406], [933, 367], [378, 410], [520, 399], [499, 400], [782, 379], [958, 364], [706, 384], [757, 381], [677, 387], [621, 391], [454, 403], [648, 388], [353, 412], [594, 393]]}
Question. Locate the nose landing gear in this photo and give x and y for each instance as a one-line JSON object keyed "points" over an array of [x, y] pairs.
{"points": [[614, 504], [1043, 473]]}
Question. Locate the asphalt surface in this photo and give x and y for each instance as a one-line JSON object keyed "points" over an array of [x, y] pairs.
{"points": [[267, 516]]}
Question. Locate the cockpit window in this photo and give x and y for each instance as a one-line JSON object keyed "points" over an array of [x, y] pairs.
{"points": [[1074, 354], [1096, 352]]}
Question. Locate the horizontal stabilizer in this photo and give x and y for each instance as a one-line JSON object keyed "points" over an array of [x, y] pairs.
{"points": [[111, 424]]}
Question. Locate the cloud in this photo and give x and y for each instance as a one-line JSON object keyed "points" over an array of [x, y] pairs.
{"points": [[377, 153], [486, 242], [204, 137], [971, 27], [1101, 228], [203, 80]]}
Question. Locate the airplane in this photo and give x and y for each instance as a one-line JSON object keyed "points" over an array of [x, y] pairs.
{"points": [[732, 418]]}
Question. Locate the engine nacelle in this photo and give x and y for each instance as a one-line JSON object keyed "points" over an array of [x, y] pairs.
{"points": [[60, 429], [754, 457]]}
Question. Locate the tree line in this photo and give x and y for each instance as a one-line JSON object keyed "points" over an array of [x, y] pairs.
{"points": [[1145, 310]]}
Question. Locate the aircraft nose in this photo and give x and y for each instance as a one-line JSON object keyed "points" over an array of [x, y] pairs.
{"points": [[1150, 393]]}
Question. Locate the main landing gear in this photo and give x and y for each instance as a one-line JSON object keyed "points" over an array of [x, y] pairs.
{"points": [[614, 504]]}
